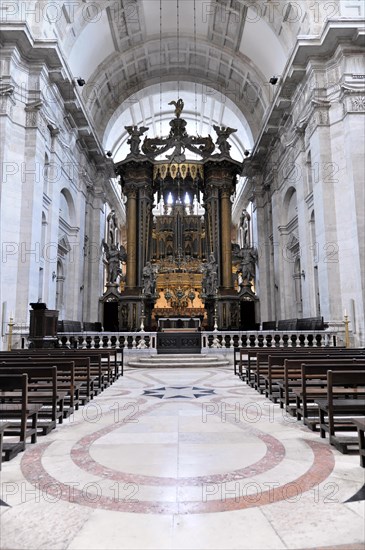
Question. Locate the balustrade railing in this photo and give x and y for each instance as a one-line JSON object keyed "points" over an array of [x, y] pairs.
{"points": [[225, 340]]}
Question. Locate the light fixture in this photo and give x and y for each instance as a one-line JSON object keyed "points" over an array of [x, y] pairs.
{"points": [[247, 153], [80, 81], [302, 274], [54, 275], [274, 80], [109, 154]]}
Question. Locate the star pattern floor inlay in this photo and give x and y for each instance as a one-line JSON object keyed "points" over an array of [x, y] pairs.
{"points": [[179, 392]]}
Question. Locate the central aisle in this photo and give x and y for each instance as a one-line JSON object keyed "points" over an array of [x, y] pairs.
{"points": [[181, 459]]}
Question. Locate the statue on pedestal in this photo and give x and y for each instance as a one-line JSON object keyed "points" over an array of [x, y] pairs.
{"points": [[245, 227], [149, 280], [248, 256], [210, 279], [135, 140], [114, 255]]}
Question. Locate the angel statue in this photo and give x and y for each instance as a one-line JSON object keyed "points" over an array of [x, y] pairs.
{"points": [[223, 133], [114, 255], [179, 105], [135, 139]]}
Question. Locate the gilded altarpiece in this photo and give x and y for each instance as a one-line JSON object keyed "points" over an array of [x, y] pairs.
{"points": [[179, 250]]}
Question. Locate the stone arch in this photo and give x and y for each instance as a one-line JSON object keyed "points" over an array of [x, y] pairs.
{"points": [[67, 207], [289, 210]]}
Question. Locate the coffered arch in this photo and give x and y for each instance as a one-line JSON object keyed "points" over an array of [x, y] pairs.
{"points": [[233, 47], [120, 79]]}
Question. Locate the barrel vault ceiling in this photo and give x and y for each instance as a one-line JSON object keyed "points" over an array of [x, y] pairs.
{"points": [[218, 55]]}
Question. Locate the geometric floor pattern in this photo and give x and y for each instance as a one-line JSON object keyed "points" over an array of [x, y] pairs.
{"points": [[181, 459], [179, 392]]}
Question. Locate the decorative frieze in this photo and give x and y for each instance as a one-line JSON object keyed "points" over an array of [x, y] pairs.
{"points": [[358, 103], [352, 97]]}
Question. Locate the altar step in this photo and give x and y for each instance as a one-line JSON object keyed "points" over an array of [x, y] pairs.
{"points": [[180, 361]]}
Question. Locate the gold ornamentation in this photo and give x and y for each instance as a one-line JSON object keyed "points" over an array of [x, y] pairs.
{"points": [[164, 170]]}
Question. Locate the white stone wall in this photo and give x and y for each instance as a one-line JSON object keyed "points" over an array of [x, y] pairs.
{"points": [[318, 152], [50, 243]]}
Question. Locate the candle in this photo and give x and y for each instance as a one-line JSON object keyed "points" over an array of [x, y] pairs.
{"points": [[11, 315], [345, 313]]}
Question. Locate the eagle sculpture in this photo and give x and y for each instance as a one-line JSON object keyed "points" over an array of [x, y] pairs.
{"points": [[179, 105]]}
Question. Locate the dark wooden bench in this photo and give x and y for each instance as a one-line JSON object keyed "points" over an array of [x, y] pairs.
{"points": [[275, 381], [336, 414], [86, 384], [104, 366], [251, 363], [42, 389], [21, 416], [293, 376], [3, 427], [252, 377], [236, 359], [272, 374], [65, 377], [360, 425], [314, 386]]}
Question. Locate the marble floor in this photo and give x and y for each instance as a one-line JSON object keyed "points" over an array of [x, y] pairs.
{"points": [[181, 459]]}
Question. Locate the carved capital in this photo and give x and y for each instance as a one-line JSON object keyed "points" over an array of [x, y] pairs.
{"points": [[7, 100], [131, 191], [32, 111], [226, 192]]}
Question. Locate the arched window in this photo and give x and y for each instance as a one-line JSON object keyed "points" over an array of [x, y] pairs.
{"points": [[43, 234], [309, 174], [67, 207], [60, 279], [45, 174]]}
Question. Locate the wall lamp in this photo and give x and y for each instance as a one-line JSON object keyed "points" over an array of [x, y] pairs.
{"points": [[247, 153], [109, 154], [302, 274], [274, 80], [54, 275], [80, 81]]}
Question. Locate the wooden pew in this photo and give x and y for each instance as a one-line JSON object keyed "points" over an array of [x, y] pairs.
{"points": [[109, 356], [292, 377], [251, 364], [336, 413], [274, 380], [84, 382], [236, 359], [273, 375], [16, 410], [42, 389], [3, 427], [65, 378], [314, 386], [360, 424]]}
